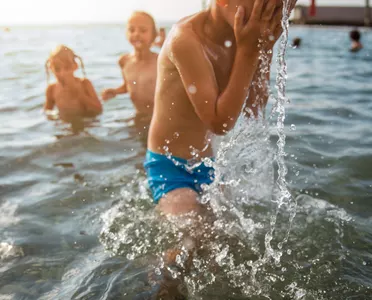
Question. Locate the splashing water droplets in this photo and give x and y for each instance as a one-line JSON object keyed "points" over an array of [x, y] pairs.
{"points": [[228, 44], [192, 89], [244, 242]]}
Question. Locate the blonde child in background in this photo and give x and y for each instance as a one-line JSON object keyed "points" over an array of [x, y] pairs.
{"points": [[74, 97], [139, 67]]}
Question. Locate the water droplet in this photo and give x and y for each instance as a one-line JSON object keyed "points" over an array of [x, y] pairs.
{"points": [[364, 263], [130, 256], [224, 125], [293, 127], [167, 141], [176, 135], [192, 89], [271, 37], [157, 271], [134, 82], [228, 44]]}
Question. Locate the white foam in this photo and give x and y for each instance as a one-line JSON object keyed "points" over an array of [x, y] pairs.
{"points": [[8, 251]]}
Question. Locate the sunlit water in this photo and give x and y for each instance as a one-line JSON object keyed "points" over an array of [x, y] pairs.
{"points": [[77, 220]]}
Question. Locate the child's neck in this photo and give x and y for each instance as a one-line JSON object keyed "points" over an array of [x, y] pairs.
{"points": [[142, 54], [216, 27]]}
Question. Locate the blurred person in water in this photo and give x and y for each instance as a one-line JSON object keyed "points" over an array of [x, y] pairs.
{"points": [[296, 43], [74, 97], [160, 39], [140, 66], [355, 37]]}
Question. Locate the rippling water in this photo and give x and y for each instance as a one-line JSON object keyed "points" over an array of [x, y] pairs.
{"points": [[75, 213]]}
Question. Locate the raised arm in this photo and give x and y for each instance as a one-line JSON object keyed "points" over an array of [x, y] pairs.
{"points": [[220, 110], [92, 104]]}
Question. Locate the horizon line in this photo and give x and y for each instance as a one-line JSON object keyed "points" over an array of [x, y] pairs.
{"points": [[86, 22]]}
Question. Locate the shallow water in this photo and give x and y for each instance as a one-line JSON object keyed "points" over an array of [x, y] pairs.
{"points": [[73, 209]]}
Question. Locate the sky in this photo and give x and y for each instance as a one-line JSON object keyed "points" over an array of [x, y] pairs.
{"points": [[107, 11]]}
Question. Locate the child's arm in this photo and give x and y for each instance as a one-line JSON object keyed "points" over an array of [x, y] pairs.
{"points": [[220, 110], [111, 93], [91, 102], [49, 102]]}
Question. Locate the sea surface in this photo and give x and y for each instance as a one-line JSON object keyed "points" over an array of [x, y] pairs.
{"points": [[76, 219]]}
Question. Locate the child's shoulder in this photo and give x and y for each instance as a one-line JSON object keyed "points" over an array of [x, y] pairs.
{"points": [[85, 82], [187, 35], [50, 88], [123, 59], [187, 30]]}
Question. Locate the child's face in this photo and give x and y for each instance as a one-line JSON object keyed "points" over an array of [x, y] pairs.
{"points": [[63, 71], [140, 32], [229, 8]]}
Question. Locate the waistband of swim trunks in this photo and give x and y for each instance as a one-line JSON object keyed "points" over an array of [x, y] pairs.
{"points": [[158, 156]]}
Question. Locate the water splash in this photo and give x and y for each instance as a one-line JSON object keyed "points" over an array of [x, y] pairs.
{"points": [[242, 245]]}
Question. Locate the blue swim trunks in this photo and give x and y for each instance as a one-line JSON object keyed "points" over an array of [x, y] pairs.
{"points": [[167, 174]]}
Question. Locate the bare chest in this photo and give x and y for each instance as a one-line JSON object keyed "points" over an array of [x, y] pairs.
{"points": [[140, 74], [68, 98]]}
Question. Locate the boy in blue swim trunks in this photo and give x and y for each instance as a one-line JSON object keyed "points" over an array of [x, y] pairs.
{"points": [[205, 71]]}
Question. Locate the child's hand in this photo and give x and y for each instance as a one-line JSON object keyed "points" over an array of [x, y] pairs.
{"points": [[263, 26], [108, 94]]}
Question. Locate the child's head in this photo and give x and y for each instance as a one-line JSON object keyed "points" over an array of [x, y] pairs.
{"points": [[162, 31], [62, 62], [141, 30], [355, 35], [296, 42], [228, 9]]}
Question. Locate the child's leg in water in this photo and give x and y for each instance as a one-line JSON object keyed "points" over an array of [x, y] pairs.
{"points": [[180, 204]]}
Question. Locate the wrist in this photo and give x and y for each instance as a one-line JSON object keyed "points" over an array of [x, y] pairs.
{"points": [[248, 53]]}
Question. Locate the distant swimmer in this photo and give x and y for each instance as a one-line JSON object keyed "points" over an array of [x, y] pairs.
{"points": [[355, 37], [160, 39], [296, 43]]}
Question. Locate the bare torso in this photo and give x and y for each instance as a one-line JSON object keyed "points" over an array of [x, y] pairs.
{"points": [[175, 127], [74, 100], [69, 100], [140, 80]]}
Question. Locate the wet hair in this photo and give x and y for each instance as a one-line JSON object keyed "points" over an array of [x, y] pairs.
{"points": [[66, 55], [143, 13], [296, 42], [355, 35]]}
